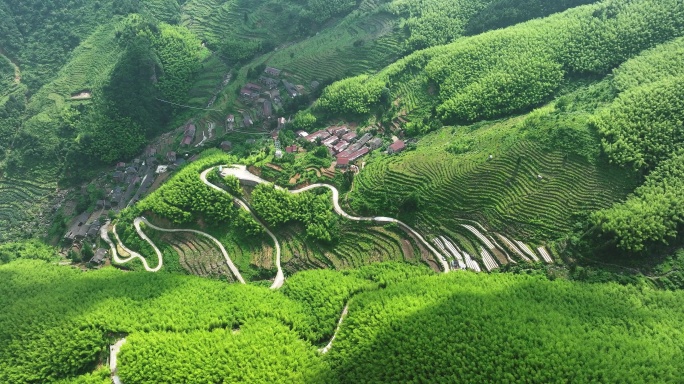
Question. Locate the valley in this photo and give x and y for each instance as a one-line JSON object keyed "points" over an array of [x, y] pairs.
{"points": [[280, 191]]}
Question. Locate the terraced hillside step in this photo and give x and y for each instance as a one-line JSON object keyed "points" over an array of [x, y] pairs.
{"points": [[513, 247], [545, 254], [525, 248], [488, 260]]}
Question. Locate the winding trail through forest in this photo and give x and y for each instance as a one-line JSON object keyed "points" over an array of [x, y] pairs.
{"points": [[17, 71], [325, 349]]}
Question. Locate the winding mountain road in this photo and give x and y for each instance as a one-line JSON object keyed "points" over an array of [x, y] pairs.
{"points": [[134, 255], [232, 267], [280, 276], [241, 172]]}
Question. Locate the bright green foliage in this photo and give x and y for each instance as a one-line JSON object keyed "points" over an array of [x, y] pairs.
{"points": [[324, 294], [521, 64], [389, 273], [504, 13], [33, 249], [351, 96], [279, 207], [460, 327], [232, 184], [180, 54], [435, 22], [100, 376], [653, 214], [55, 320], [322, 10], [645, 125], [666, 60], [185, 197], [303, 120], [256, 353], [527, 80], [463, 327]]}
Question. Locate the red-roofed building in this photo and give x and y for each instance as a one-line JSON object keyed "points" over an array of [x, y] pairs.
{"points": [[322, 134], [396, 147], [330, 141], [291, 149], [349, 137], [341, 146], [342, 162]]}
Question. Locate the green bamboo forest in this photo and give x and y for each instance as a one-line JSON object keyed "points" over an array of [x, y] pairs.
{"points": [[346, 191]]}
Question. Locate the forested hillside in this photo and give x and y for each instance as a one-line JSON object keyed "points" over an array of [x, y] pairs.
{"points": [[402, 325], [560, 63]]}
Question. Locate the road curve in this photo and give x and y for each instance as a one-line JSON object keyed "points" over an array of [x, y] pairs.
{"points": [[280, 276], [232, 267], [134, 255], [243, 174]]}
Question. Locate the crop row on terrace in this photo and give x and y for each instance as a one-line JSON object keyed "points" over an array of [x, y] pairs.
{"points": [[21, 200], [199, 256], [359, 244], [522, 189]]}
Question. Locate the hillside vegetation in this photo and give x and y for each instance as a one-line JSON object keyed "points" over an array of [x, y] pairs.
{"points": [[590, 130], [58, 322]]}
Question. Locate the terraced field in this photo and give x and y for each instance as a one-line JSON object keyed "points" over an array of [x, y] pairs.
{"points": [[359, 244], [164, 10], [216, 20], [522, 190], [22, 204], [199, 256], [91, 62], [353, 47]]}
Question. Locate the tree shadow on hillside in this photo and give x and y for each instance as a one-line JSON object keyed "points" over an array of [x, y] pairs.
{"points": [[528, 332]]}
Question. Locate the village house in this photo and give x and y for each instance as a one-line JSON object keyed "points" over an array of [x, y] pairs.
{"points": [[247, 119], [171, 156], [330, 141], [99, 257], [189, 134], [118, 176], [291, 149], [78, 229], [322, 134], [375, 143], [269, 82], [302, 134], [272, 71], [291, 89], [349, 137], [226, 146], [267, 109], [341, 146], [342, 162], [281, 123], [396, 147], [248, 93], [253, 87]]}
